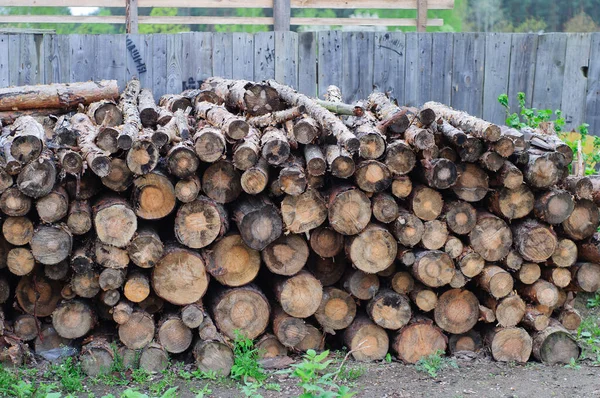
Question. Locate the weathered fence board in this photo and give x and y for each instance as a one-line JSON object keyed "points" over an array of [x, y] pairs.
{"points": [[575, 82], [465, 70], [389, 64], [497, 60]]}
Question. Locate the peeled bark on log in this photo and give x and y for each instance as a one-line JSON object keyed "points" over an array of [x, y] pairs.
{"points": [[258, 221], [541, 292], [555, 345], [37, 295], [361, 285], [255, 179], [435, 234], [137, 287], [512, 203], [11, 165], [137, 332], [535, 241], [340, 161], [147, 108], [201, 222], [366, 340], [586, 277], [408, 228], [292, 176], [336, 311], [316, 164], [472, 183], [529, 273], [469, 341], [213, 356], [509, 344], [460, 217], [583, 221], [51, 244], [491, 237], [234, 127], [20, 261], [509, 176], [389, 309], [287, 255], [28, 139], [17, 230], [326, 119], [393, 119], [97, 357], [243, 308], [173, 334], [299, 295], [503, 147], [476, 127], [97, 159], [114, 221], [73, 319], [372, 250], [452, 134], [495, 281], [418, 340], [433, 268], [180, 276], [326, 242], [221, 182], [418, 138]]}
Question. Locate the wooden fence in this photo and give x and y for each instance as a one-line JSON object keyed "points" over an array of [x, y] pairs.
{"points": [[466, 70]]}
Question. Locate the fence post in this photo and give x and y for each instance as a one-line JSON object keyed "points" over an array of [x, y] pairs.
{"points": [[131, 16], [281, 15], [421, 15]]}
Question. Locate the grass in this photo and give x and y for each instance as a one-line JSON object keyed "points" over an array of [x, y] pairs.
{"points": [[434, 363], [588, 336]]}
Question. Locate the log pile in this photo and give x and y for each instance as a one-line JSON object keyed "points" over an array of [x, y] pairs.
{"points": [[248, 208]]}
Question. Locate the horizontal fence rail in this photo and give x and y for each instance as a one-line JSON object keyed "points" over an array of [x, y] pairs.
{"points": [[281, 12], [465, 70]]}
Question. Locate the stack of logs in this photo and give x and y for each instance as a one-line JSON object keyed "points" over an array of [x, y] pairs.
{"points": [[249, 208]]}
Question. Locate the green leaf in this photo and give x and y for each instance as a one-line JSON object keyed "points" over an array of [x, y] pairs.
{"points": [[322, 356]]}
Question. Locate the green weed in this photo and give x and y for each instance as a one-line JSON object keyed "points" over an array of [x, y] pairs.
{"points": [[140, 376], [314, 378], [588, 336], [593, 302], [573, 364], [351, 373], [245, 363], [388, 357], [70, 375], [530, 117], [167, 381], [203, 392], [433, 363]]}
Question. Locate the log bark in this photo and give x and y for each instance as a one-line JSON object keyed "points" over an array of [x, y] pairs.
{"points": [[96, 159], [326, 119], [243, 308], [496, 281], [234, 127], [535, 241], [57, 96], [79, 219], [28, 139], [476, 127], [393, 119], [555, 345], [583, 221], [147, 108], [340, 161], [255, 179]]}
